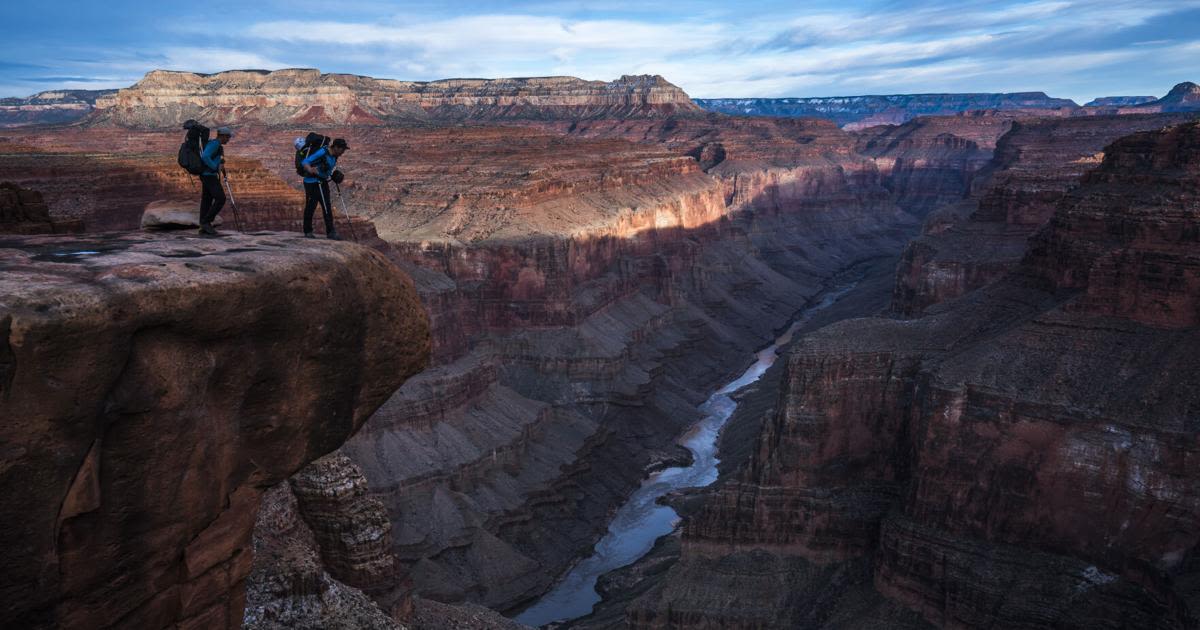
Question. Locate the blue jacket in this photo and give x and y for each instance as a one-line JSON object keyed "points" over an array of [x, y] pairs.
{"points": [[324, 162], [212, 156]]}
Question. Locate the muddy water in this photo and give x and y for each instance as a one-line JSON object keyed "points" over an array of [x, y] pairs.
{"points": [[641, 520]]}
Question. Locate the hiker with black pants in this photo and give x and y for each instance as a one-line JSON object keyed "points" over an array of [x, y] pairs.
{"points": [[212, 199], [319, 167]]}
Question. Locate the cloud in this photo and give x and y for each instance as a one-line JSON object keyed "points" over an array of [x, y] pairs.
{"points": [[1072, 48], [512, 35], [215, 60]]}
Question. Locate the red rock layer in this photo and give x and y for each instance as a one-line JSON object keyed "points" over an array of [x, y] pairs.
{"points": [[971, 244], [200, 373], [1025, 457], [929, 162]]}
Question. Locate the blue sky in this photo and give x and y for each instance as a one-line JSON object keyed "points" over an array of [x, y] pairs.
{"points": [[1077, 49]]}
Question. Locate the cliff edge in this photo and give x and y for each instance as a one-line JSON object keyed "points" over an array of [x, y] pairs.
{"points": [[153, 388]]}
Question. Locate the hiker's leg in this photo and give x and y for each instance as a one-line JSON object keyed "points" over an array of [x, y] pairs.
{"points": [[310, 204], [326, 208], [213, 184], [206, 201]]}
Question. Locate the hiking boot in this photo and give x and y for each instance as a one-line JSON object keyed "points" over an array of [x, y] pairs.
{"points": [[309, 235], [207, 229], [333, 236]]}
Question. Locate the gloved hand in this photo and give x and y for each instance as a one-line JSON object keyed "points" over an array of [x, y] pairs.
{"points": [[337, 177]]}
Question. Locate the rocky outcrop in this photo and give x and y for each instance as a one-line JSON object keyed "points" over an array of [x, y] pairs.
{"points": [[1023, 457], [308, 97], [971, 244], [352, 529], [290, 588], [49, 108], [889, 109], [165, 214], [22, 211], [1119, 101], [199, 373], [1184, 97]]}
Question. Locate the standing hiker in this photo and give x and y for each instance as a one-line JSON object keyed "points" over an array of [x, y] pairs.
{"points": [[212, 199], [319, 168]]}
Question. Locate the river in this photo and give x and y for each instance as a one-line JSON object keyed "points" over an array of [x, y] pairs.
{"points": [[641, 520]]}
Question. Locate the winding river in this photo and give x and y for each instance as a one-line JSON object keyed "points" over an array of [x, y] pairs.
{"points": [[641, 520]]}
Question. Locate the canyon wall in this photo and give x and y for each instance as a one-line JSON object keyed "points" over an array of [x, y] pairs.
{"points": [[1024, 456], [587, 278], [860, 112], [590, 292], [153, 387], [308, 97], [54, 107], [886, 109], [972, 243]]}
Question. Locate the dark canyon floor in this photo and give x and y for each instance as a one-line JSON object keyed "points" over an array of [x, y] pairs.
{"points": [[996, 427]]}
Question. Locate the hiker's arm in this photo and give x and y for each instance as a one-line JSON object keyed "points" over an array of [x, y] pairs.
{"points": [[308, 165], [209, 155]]}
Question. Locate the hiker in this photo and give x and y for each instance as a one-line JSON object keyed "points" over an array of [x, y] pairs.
{"points": [[212, 199], [320, 168]]}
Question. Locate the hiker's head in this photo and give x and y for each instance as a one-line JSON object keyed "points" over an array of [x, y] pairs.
{"points": [[224, 134], [338, 147]]}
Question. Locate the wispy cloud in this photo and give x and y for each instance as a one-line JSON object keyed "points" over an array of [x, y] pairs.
{"points": [[1073, 48]]}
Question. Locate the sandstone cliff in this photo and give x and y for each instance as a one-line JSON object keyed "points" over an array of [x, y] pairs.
{"points": [[1023, 457], [153, 388], [308, 97]]}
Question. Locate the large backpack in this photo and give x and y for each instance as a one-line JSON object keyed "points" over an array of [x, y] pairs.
{"points": [[313, 142], [193, 145]]}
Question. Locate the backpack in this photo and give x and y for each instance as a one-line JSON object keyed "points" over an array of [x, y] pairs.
{"points": [[313, 142], [193, 145]]}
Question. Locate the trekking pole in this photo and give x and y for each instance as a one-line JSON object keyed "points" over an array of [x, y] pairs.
{"points": [[232, 203], [327, 206], [346, 211]]}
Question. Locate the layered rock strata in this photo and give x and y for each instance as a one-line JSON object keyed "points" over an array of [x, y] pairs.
{"points": [[200, 372], [290, 587], [586, 303], [308, 97], [1023, 457], [932, 161], [969, 244]]}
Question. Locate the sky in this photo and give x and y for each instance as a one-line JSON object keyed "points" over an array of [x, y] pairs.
{"points": [[1078, 49]]}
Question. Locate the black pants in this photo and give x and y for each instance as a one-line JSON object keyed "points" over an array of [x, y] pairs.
{"points": [[212, 199], [314, 193]]}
